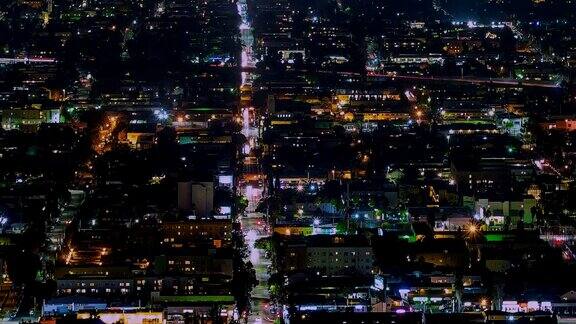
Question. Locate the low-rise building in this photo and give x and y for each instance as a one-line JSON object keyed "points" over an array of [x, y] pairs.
{"points": [[216, 232], [328, 254]]}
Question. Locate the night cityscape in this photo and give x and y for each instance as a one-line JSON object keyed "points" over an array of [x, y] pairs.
{"points": [[287, 161]]}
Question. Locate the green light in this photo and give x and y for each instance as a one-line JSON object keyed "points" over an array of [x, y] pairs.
{"points": [[495, 237], [198, 298]]}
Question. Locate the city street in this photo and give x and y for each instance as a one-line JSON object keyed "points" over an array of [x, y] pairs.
{"points": [[254, 226]]}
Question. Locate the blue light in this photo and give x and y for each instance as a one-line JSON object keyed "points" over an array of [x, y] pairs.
{"points": [[161, 114]]}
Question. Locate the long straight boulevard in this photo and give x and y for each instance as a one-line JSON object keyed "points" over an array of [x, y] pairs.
{"points": [[253, 223]]}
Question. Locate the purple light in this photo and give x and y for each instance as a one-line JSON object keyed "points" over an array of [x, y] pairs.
{"points": [[400, 311]]}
